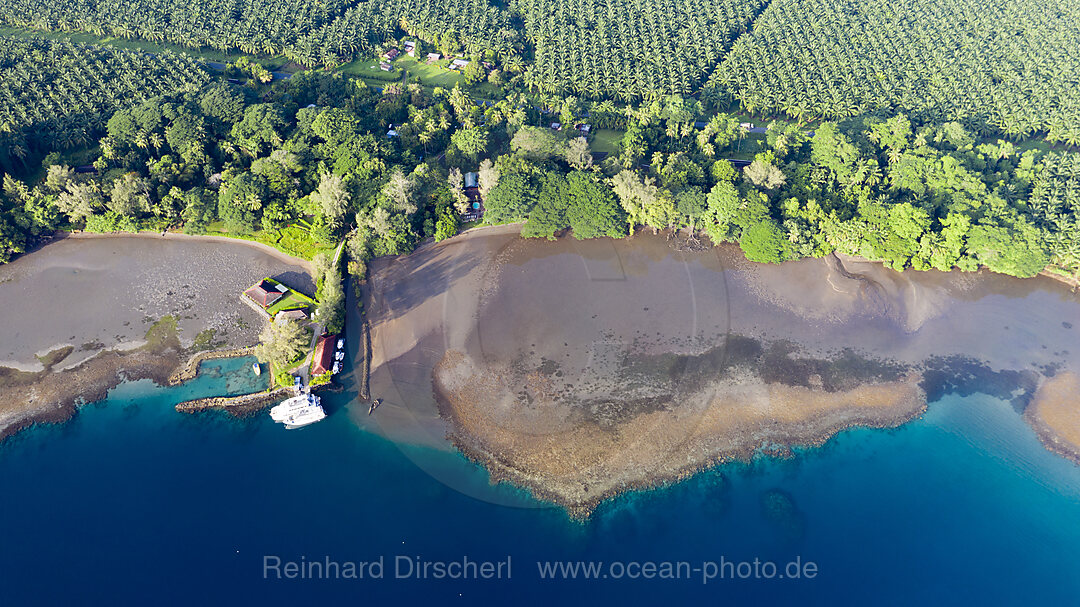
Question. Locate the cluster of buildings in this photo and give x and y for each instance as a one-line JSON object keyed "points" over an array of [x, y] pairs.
{"points": [[280, 304], [391, 54], [410, 49], [582, 128], [267, 292]]}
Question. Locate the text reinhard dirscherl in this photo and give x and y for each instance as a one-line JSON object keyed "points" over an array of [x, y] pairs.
{"points": [[402, 567]]}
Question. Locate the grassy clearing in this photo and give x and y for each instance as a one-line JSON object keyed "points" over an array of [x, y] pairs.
{"points": [[292, 240], [747, 148], [606, 140], [292, 300], [430, 75], [369, 69]]}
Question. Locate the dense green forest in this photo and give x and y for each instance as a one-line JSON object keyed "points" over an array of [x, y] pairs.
{"points": [[629, 50], [1008, 67], [56, 95], [919, 161]]}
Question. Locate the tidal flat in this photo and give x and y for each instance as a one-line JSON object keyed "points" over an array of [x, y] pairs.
{"points": [[581, 369], [84, 313]]}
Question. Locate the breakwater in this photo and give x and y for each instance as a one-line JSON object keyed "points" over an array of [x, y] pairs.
{"points": [[237, 405]]}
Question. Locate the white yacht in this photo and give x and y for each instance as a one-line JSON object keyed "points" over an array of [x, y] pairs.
{"points": [[286, 408], [298, 411], [310, 415]]}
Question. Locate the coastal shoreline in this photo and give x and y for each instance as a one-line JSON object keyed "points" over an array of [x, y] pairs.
{"points": [[502, 471], [148, 307], [265, 248], [54, 397], [652, 307]]}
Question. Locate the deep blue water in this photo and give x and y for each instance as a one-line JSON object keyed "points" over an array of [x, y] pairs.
{"points": [[131, 501]]}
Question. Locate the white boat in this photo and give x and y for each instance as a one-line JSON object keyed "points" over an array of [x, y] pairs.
{"points": [[298, 411], [285, 409], [340, 343], [256, 368], [305, 417]]}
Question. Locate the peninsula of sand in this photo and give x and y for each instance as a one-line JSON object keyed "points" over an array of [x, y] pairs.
{"points": [[86, 312], [580, 369]]}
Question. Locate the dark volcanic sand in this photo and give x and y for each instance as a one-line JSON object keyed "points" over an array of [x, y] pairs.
{"points": [[582, 368]]}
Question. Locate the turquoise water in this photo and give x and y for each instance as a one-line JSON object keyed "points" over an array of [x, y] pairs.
{"points": [[131, 501]]}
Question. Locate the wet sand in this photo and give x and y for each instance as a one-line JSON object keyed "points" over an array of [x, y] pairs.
{"points": [[83, 313], [617, 364]]}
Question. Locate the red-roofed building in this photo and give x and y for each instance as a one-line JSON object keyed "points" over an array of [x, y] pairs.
{"points": [[264, 293], [323, 360]]}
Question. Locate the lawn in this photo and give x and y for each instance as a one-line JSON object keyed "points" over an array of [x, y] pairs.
{"points": [[430, 75], [747, 148], [606, 140], [292, 300], [369, 71]]}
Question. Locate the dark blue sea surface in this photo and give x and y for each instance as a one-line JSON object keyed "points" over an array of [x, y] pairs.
{"points": [[131, 502]]}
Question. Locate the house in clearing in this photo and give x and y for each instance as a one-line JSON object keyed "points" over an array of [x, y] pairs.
{"points": [[385, 66], [265, 293], [323, 359], [272, 298], [458, 64], [391, 54], [410, 48], [433, 57]]}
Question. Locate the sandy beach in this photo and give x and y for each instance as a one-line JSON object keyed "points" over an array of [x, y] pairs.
{"points": [[580, 369], [85, 312]]}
